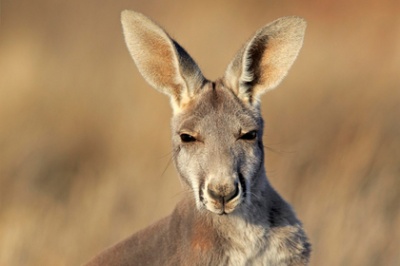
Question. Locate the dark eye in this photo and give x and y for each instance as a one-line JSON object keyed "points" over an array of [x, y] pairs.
{"points": [[249, 135], [187, 138]]}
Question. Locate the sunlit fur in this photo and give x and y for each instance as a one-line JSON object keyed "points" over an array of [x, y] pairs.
{"points": [[232, 216]]}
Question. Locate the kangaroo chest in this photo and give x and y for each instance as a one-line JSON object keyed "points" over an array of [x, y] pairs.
{"points": [[247, 244]]}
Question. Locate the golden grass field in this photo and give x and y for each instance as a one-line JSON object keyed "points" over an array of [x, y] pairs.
{"points": [[85, 142]]}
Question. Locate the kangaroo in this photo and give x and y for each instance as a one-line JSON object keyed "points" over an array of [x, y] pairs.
{"points": [[232, 215]]}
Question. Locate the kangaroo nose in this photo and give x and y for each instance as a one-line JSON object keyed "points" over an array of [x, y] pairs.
{"points": [[223, 193]]}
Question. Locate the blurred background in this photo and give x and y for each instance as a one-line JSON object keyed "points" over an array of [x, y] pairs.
{"points": [[85, 142]]}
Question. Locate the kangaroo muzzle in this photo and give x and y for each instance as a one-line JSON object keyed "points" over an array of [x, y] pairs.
{"points": [[222, 196]]}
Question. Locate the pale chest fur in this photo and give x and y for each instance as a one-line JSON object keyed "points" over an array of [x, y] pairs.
{"points": [[256, 245]]}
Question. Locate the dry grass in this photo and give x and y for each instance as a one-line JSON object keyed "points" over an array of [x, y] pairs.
{"points": [[84, 142]]}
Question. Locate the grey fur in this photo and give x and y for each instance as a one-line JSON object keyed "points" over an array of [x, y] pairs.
{"points": [[234, 216]]}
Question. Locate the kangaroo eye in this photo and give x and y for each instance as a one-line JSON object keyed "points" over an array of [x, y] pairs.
{"points": [[249, 135], [187, 138]]}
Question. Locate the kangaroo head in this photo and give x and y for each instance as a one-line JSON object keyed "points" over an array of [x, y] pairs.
{"points": [[217, 126]]}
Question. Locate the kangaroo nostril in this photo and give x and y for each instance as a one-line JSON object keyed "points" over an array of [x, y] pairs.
{"points": [[232, 194], [213, 194], [222, 194]]}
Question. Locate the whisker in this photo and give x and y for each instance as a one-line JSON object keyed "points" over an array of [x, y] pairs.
{"points": [[183, 192], [173, 154], [269, 147], [257, 197]]}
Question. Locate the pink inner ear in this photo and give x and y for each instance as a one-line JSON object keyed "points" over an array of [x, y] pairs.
{"points": [[265, 60], [157, 63], [163, 63]]}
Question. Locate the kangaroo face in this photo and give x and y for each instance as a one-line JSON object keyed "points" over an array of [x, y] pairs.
{"points": [[218, 148], [217, 128]]}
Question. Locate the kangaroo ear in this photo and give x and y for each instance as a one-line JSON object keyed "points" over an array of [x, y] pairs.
{"points": [[162, 62], [264, 61]]}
